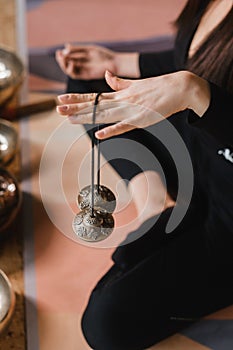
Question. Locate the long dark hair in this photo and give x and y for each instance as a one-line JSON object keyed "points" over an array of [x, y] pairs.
{"points": [[214, 58]]}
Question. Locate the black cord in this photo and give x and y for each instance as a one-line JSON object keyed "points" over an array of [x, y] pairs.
{"points": [[93, 156], [98, 163]]}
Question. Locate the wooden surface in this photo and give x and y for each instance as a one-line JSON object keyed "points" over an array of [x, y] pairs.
{"points": [[8, 23], [11, 263]]}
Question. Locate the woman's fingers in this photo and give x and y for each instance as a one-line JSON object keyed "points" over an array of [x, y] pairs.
{"points": [[77, 55], [108, 115], [61, 60], [112, 108], [116, 83], [114, 130], [80, 105], [89, 97], [73, 109], [77, 98], [72, 62], [134, 104], [74, 69], [70, 49]]}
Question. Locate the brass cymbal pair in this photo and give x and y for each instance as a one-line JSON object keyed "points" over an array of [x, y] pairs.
{"points": [[96, 223]]}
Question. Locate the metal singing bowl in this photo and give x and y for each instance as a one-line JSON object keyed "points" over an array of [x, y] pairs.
{"points": [[7, 301], [8, 141], [11, 73], [10, 199]]}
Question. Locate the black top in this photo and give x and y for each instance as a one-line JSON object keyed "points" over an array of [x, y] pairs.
{"points": [[218, 119], [209, 138]]}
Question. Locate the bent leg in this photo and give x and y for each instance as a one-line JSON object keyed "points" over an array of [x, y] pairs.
{"points": [[138, 303], [150, 195]]}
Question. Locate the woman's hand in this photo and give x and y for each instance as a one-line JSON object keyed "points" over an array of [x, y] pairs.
{"points": [[154, 99], [90, 62]]}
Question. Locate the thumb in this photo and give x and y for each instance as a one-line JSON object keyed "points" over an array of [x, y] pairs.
{"points": [[67, 49], [115, 82]]}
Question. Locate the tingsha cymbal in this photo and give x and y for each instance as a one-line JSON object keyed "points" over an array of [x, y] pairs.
{"points": [[93, 226], [97, 203], [104, 199]]}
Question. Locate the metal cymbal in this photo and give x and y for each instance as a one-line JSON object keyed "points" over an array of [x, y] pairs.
{"points": [[93, 228], [7, 301], [104, 199]]}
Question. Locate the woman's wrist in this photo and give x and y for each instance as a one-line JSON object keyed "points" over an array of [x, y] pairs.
{"points": [[127, 64], [197, 91]]}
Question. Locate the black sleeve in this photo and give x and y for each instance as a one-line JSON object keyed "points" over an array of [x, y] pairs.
{"points": [[156, 63], [218, 119]]}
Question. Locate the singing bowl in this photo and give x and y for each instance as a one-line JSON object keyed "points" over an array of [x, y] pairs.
{"points": [[10, 200], [12, 73], [8, 141], [7, 302]]}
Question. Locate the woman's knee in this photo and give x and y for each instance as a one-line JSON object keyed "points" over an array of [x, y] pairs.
{"points": [[101, 325], [111, 324]]}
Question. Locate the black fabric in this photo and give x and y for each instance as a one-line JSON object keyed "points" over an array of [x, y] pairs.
{"points": [[218, 119], [126, 159], [162, 283], [137, 304], [82, 86], [158, 63]]}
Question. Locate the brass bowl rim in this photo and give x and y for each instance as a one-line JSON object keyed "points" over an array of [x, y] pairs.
{"points": [[8, 124], [13, 134], [20, 76], [6, 320]]}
